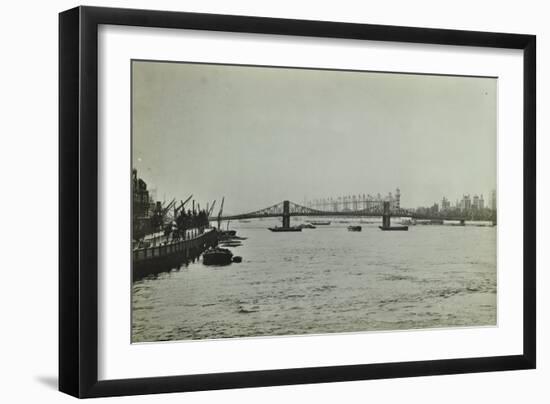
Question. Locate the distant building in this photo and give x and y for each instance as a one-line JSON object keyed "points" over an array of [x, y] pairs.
{"points": [[445, 204], [143, 206], [465, 203], [494, 200], [141, 199], [475, 202], [397, 200], [481, 202]]}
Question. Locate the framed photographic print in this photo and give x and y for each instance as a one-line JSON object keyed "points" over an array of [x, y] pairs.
{"points": [[249, 201]]}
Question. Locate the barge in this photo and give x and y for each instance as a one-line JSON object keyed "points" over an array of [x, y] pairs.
{"points": [[394, 228], [281, 229]]}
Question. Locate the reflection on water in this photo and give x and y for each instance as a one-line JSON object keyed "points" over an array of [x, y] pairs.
{"points": [[325, 280]]}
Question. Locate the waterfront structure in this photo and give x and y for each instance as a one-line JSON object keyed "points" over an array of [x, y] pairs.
{"points": [[165, 235], [150, 258], [140, 196], [143, 206]]}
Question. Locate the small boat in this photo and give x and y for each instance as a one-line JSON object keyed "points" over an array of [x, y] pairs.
{"points": [[354, 228], [307, 226], [227, 233], [279, 229], [231, 243], [317, 223], [217, 256], [408, 222], [237, 259]]}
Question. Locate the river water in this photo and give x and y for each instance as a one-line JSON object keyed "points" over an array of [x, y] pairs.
{"points": [[325, 280]]}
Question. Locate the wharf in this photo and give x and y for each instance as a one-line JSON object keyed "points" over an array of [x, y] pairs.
{"points": [[160, 258]]}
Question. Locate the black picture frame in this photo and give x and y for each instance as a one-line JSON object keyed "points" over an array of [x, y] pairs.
{"points": [[78, 201]]}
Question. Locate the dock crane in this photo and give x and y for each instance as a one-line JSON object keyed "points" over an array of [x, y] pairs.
{"points": [[168, 207], [209, 213], [163, 212], [182, 205]]}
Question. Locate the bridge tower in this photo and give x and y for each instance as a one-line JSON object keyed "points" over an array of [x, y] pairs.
{"points": [[286, 214], [386, 215]]}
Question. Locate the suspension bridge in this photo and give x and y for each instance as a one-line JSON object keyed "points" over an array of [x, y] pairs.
{"points": [[288, 209]]}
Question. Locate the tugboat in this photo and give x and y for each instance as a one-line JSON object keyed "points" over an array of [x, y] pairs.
{"points": [[217, 256], [354, 228]]}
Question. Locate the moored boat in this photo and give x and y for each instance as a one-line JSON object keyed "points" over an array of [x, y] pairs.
{"points": [[231, 244], [318, 223], [281, 229], [217, 256], [223, 234], [394, 228], [354, 228]]}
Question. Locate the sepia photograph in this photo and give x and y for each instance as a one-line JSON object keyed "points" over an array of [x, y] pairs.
{"points": [[272, 201]]}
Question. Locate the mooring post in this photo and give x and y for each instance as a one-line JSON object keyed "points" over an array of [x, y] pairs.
{"points": [[286, 214]]}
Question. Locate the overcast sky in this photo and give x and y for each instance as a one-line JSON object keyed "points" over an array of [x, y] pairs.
{"points": [[259, 135]]}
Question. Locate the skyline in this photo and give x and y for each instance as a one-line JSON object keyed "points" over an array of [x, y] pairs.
{"points": [[453, 200], [259, 135]]}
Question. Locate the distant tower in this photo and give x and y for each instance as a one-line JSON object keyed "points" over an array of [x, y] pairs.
{"points": [[467, 202], [475, 203], [397, 198], [445, 204], [494, 200]]}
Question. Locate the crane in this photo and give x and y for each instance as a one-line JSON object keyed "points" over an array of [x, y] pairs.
{"points": [[168, 207], [209, 213], [183, 203]]}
